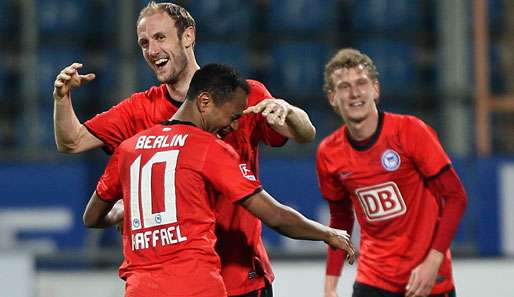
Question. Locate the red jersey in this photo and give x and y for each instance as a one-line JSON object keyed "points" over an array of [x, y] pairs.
{"points": [[170, 177], [245, 263], [386, 182]]}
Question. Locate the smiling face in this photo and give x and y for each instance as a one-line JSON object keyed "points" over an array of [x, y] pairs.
{"points": [[354, 93], [222, 119], [162, 49]]}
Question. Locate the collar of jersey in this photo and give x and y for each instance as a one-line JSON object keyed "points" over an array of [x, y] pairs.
{"points": [[178, 122], [359, 145], [171, 99]]}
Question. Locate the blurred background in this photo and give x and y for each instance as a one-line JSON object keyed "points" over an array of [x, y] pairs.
{"points": [[449, 62]]}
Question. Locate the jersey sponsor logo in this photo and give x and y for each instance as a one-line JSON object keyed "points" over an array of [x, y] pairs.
{"points": [[247, 173], [390, 160], [381, 202]]}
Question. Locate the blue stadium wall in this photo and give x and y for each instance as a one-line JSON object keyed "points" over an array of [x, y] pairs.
{"points": [[63, 190]]}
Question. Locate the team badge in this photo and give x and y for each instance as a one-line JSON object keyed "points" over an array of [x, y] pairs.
{"points": [[390, 160], [136, 224]]}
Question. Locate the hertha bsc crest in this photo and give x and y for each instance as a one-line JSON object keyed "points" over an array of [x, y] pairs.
{"points": [[390, 160]]}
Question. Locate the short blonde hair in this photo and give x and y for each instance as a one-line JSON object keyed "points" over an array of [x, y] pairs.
{"points": [[348, 58], [179, 14]]}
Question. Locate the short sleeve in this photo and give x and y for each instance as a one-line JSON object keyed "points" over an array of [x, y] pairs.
{"points": [[108, 187], [424, 147], [233, 179], [113, 126], [330, 187], [266, 133]]}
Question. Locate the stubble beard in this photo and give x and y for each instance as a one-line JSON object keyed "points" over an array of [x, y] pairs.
{"points": [[178, 69]]}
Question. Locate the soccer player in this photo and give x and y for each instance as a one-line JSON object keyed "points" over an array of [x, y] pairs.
{"points": [[170, 177], [166, 36], [392, 171]]}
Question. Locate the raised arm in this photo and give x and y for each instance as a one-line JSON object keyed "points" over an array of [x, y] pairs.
{"points": [[288, 120], [70, 135], [293, 224]]}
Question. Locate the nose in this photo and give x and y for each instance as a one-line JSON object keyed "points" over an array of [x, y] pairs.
{"points": [[153, 48], [354, 92]]}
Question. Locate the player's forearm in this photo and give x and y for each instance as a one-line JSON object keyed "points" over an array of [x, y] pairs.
{"points": [[102, 222], [101, 214], [331, 285], [298, 126], [70, 135], [66, 126], [291, 223], [451, 190], [284, 219]]}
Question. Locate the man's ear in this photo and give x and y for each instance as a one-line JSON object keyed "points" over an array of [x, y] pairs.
{"points": [[189, 37], [204, 101], [331, 98], [376, 86]]}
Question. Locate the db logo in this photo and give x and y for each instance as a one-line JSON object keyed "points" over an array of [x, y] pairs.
{"points": [[381, 202]]}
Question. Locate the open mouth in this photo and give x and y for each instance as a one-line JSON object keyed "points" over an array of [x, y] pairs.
{"points": [[160, 63], [357, 104]]}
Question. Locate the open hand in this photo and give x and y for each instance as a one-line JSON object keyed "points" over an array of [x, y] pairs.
{"points": [[274, 110], [69, 78], [340, 239]]}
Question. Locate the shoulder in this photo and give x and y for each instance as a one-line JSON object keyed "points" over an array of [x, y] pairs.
{"points": [[129, 142], [409, 127], [153, 93], [225, 148], [145, 98], [258, 92], [256, 86], [334, 140], [403, 120]]}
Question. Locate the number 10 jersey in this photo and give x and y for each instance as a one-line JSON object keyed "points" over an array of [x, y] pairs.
{"points": [[170, 177]]}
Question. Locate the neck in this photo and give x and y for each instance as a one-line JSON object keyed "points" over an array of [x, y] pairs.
{"points": [[362, 130], [188, 112], [178, 90]]}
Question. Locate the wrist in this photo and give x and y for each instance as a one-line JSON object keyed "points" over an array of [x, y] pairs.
{"points": [[60, 100], [435, 257], [329, 234], [330, 283]]}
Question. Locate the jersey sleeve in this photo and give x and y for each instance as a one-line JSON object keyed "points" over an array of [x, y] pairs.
{"points": [[424, 147], [330, 187], [341, 217], [266, 133], [233, 179], [113, 126], [108, 187]]}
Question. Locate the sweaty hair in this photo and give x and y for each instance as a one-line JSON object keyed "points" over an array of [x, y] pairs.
{"points": [[348, 58], [220, 81], [179, 14]]}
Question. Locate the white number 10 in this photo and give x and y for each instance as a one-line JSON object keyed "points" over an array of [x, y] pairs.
{"points": [[143, 177]]}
